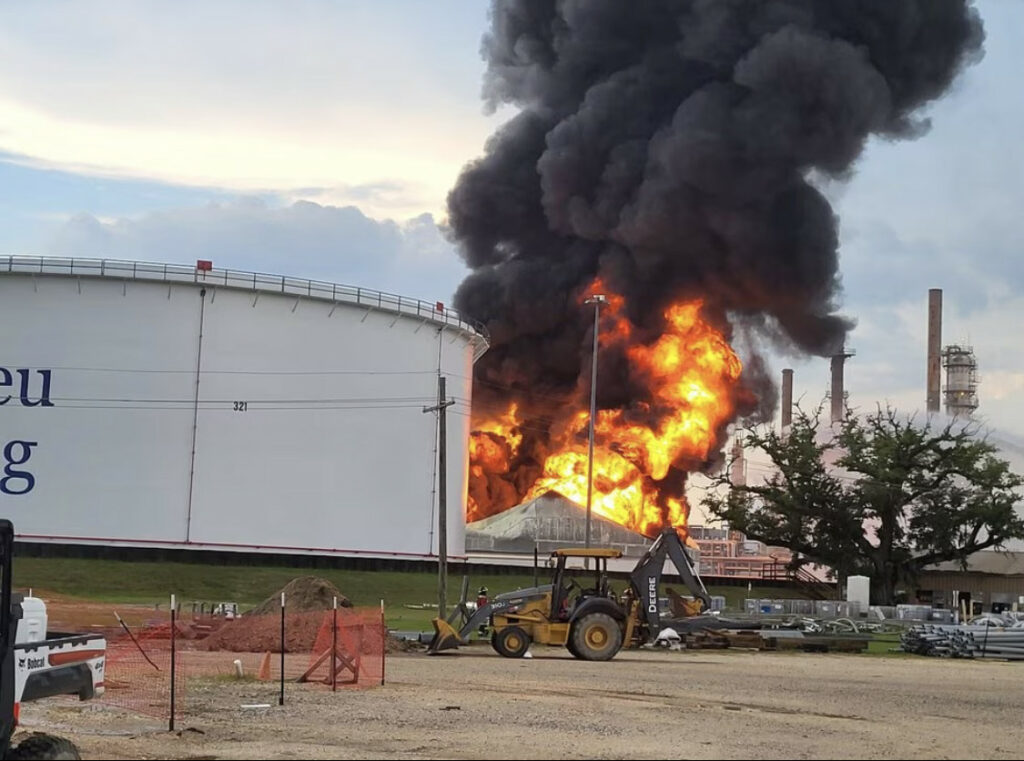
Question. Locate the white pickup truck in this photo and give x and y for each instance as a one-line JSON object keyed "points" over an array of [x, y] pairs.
{"points": [[53, 663]]}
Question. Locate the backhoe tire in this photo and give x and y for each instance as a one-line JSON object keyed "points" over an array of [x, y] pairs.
{"points": [[511, 642], [45, 747], [595, 637], [572, 648]]}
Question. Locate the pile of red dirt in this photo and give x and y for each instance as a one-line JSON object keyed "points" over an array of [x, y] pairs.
{"points": [[302, 594], [306, 598], [258, 634]]}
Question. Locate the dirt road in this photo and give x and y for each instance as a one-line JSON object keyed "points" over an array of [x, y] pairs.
{"points": [[641, 705]]}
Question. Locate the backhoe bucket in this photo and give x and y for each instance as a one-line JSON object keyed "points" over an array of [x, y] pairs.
{"points": [[693, 608], [445, 637]]}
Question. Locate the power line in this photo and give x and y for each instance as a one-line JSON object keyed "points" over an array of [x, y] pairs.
{"points": [[341, 400], [260, 408], [127, 370], [496, 409], [167, 371], [522, 427]]}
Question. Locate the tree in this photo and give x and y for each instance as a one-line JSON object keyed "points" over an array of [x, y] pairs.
{"points": [[883, 496]]}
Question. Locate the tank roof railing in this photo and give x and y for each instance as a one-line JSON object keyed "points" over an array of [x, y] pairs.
{"points": [[240, 279]]}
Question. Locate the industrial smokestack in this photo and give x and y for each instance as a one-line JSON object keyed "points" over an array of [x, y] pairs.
{"points": [[787, 398], [934, 348], [738, 471], [838, 392]]}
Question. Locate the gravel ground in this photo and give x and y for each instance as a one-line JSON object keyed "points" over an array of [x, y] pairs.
{"points": [[643, 704]]}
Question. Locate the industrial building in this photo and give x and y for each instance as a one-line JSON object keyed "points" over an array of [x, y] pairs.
{"points": [[545, 524], [728, 554], [551, 521], [155, 405], [991, 581]]}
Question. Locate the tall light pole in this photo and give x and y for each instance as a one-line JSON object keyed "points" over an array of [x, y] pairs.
{"points": [[597, 300]]}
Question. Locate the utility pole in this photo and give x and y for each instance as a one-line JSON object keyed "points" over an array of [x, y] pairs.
{"points": [[597, 301], [443, 403]]}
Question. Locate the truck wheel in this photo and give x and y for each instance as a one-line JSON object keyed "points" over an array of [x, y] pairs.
{"points": [[512, 642], [596, 637], [46, 747]]}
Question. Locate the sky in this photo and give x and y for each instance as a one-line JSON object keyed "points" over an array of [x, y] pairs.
{"points": [[319, 139]]}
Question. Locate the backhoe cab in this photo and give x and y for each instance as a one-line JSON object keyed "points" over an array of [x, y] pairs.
{"points": [[585, 618], [590, 621]]}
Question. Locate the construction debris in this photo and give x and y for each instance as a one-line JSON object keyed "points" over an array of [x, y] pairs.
{"points": [[989, 637], [777, 639], [396, 644], [669, 638]]}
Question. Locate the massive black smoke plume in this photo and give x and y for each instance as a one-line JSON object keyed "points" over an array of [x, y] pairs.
{"points": [[666, 145]]}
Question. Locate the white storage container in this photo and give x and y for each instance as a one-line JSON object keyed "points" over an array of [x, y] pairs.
{"points": [[32, 626]]}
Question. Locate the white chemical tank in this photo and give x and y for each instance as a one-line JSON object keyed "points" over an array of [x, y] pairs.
{"points": [[158, 405], [858, 590]]}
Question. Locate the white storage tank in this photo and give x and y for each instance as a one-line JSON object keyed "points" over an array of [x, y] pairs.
{"points": [[180, 406], [858, 590]]}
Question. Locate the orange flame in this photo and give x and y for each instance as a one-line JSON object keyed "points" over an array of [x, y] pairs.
{"points": [[491, 448], [689, 373]]}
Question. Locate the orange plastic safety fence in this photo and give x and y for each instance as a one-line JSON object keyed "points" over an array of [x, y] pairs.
{"points": [[138, 670], [246, 647], [357, 639]]}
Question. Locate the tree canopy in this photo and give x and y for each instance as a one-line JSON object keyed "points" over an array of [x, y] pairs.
{"points": [[883, 495]]}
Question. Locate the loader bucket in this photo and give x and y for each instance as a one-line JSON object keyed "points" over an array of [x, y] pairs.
{"points": [[445, 637]]}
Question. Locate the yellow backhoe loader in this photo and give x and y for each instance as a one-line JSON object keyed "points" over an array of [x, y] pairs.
{"points": [[591, 622]]}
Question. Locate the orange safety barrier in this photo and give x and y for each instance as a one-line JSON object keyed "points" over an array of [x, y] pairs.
{"points": [[248, 647]]}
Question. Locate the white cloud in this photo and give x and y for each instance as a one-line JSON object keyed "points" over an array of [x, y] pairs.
{"points": [[248, 96], [305, 239]]}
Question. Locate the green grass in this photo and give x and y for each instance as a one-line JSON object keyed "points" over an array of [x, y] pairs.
{"points": [[150, 583], [117, 581], [882, 644]]}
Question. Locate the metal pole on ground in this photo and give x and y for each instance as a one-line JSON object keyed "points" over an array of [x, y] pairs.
{"points": [[135, 641], [173, 661], [334, 649], [383, 641], [280, 699]]}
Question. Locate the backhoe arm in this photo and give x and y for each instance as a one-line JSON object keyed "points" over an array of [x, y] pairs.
{"points": [[646, 577], [681, 560]]}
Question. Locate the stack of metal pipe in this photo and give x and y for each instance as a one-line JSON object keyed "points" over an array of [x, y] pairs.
{"points": [[972, 641]]}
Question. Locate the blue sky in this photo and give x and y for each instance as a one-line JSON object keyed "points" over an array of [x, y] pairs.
{"points": [[319, 139]]}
